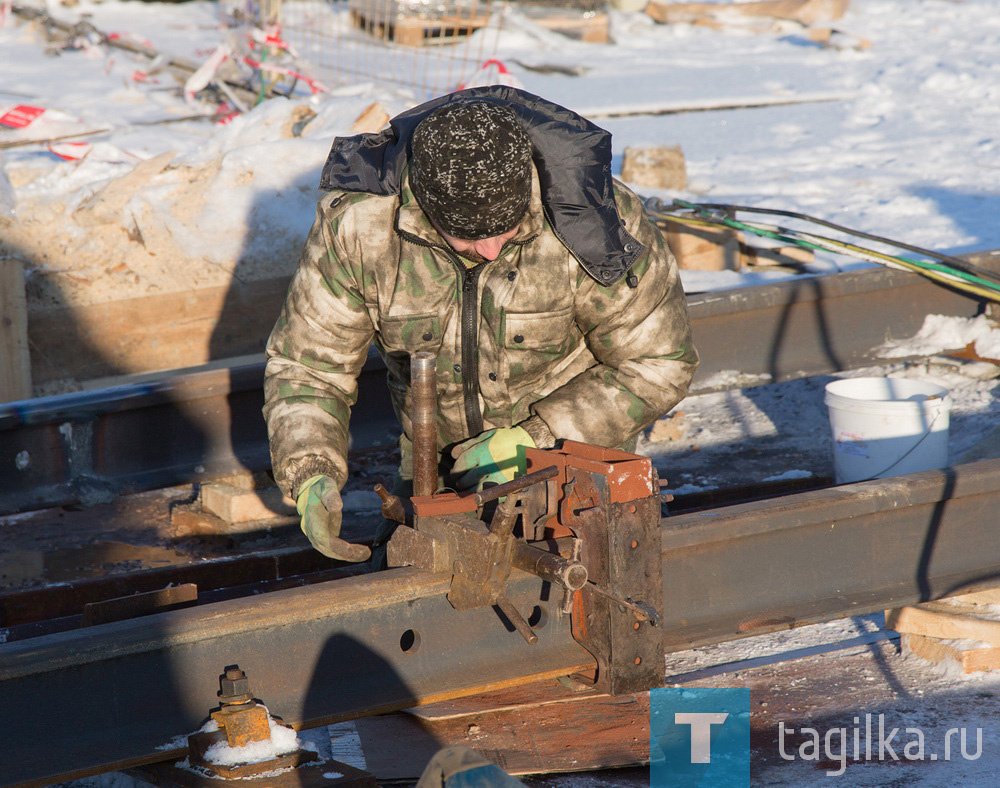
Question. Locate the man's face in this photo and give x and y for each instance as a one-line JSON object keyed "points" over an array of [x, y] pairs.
{"points": [[483, 250]]}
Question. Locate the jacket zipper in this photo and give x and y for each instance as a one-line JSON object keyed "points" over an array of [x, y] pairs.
{"points": [[470, 333], [470, 336], [470, 348]]}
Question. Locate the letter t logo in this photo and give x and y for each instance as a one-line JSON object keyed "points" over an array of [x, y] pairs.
{"points": [[701, 732]]}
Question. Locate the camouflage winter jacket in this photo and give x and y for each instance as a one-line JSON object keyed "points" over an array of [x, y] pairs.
{"points": [[529, 335]]}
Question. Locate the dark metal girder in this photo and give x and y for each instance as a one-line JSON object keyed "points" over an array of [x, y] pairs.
{"points": [[92, 445], [829, 553], [111, 696]]}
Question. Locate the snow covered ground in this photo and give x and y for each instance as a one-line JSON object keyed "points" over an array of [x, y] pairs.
{"points": [[903, 143], [900, 139]]}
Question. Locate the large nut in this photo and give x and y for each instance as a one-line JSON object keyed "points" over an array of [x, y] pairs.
{"points": [[235, 686]]}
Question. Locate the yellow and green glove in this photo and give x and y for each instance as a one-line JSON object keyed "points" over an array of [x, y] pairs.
{"points": [[319, 503], [495, 456]]}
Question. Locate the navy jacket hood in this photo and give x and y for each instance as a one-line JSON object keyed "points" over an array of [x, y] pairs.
{"points": [[571, 154]]}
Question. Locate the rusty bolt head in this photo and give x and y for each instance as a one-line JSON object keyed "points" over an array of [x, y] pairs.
{"points": [[235, 686]]}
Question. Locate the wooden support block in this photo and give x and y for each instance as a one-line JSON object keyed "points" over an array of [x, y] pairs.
{"points": [[990, 596], [15, 359], [965, 653], [235, 505], [657, 167], [704, 248], [948, 622], [190, 520]]}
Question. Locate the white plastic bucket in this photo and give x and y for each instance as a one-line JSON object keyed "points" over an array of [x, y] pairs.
{"points": [[887, 427]]}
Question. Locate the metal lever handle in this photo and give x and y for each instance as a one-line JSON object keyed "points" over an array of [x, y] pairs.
{"points": [[502, 490], [515, 618]]}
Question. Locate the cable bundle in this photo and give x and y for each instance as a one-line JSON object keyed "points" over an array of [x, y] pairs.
{"points": [[944, 269]]}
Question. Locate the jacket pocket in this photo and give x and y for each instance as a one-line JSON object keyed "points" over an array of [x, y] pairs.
{"points": [[406, 334], [535, 343]]}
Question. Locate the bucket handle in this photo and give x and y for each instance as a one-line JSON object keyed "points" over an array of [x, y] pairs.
{"points": [[909, 451]]}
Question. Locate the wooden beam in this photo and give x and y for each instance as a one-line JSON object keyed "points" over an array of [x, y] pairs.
{"points": [[944, 621], [15, 359]]}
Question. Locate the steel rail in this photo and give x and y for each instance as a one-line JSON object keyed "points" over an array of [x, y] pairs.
{"points": [[112, 694], [118, 695], [87, 446], [830, 553]]}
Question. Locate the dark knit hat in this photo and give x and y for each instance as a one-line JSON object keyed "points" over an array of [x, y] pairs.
{"points": [[470, 169]]}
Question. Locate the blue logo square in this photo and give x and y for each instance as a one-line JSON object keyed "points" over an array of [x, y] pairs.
{"points": [[700, 737]]}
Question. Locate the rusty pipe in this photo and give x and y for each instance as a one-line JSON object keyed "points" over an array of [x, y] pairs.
{"points": [[423, 417], [571, 575]]}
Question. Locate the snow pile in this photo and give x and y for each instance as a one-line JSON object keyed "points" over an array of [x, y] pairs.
{"points": [[940, 333], [283, 741]]}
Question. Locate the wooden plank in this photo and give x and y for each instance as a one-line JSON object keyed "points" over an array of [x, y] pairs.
{"points": [[15, 359], [150, 333], [807, 12], [970, 660], [530, 729], [418, 31], [235, 505], [945, 621]]}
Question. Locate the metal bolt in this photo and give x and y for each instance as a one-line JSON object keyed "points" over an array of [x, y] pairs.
{"points": [[234, 687]]}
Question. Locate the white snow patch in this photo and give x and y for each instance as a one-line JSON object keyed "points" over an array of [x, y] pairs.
{"points": [[790, 474], [283, 740], [940, 333]]}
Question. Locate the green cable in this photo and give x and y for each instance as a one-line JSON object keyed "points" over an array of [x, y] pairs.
{"points": [[957, 262], [780, 236]]}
